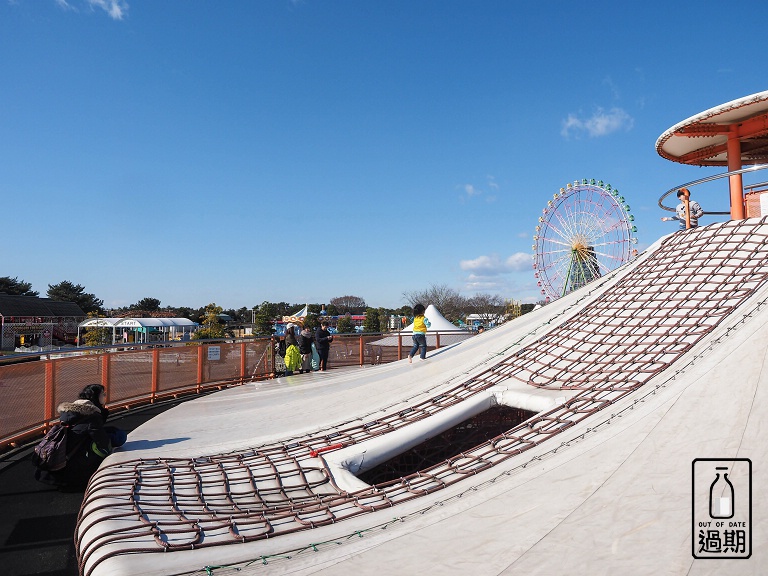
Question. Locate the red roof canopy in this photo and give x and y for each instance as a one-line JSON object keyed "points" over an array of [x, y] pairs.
{"points": [[701, 140]]}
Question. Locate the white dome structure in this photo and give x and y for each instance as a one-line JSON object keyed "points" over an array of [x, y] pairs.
{"points": [[643, 386]]}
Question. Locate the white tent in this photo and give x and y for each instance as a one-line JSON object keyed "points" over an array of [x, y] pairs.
{"points": [[449, 333]]}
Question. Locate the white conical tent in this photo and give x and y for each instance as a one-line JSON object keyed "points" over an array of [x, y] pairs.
{"points": [[437, 322], [449, 333]]}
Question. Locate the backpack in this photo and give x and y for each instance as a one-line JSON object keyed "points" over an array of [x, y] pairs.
{"points": [[51, 453]]}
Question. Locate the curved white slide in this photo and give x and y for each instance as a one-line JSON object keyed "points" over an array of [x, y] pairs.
{"points": [[642, 383]]}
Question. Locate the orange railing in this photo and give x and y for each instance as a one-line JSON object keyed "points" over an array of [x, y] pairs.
{"points": [[32, 390]]}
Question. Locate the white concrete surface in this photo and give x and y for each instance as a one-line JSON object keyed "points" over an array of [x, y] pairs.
{"points": [[609, 495]]}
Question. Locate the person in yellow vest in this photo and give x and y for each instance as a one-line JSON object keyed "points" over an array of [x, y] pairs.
{"points": [[420, 326], [292, 353]]}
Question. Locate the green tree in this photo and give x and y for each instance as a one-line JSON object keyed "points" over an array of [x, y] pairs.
{"points": [[383, 314], [277, 310], [525, 308], [211, 328], [66, 291], [265, 315], [99, 336], [331, 310], [190, 313], [344, 325], [147, 305], [269, 309], [240, 315], [285, 309], [263, 322], [371, 322], [312, 321], [16, 287]]}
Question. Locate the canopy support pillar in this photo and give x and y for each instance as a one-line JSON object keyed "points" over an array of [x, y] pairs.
{"points": [[735, 181]]}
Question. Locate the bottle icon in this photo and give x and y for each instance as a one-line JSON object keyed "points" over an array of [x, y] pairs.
{"points": [[721, 496]]}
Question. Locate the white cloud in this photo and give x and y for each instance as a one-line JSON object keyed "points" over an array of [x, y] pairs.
{"points": [[476, 284], [519, 261], [472, 191], [116, 9], [601, 123], [493, 265], [516, 287], [488, 265], [505, 276]]}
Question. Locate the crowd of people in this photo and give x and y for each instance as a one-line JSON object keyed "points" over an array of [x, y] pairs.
{"points": [[301, 346], [89, 440], [302, 350]]}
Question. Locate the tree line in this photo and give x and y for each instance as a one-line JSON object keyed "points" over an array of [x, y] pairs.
{"points": [[451, 304]]}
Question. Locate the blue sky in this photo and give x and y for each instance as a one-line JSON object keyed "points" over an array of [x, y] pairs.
{"points": [[242, 151]]}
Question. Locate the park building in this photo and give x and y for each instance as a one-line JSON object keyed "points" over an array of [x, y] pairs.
{"points": [[140, 330], [29, 321]]}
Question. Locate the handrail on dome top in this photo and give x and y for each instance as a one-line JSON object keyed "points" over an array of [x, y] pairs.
{"points": [[710, 179]]}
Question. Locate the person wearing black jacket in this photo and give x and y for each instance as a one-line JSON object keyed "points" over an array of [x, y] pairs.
{"points": [[97, 395], [323, 339], [87, 445], [88, 440]]}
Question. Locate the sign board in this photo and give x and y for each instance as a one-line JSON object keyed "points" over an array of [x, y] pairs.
{"points": [[722, 508], [214, 352]]}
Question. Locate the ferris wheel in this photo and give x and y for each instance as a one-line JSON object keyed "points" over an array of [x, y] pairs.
{"points": [[585, 231]]}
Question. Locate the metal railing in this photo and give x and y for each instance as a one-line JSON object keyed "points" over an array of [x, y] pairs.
{"points": [[135, 375], [710, 179]]}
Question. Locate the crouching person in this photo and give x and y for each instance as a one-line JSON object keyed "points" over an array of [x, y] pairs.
{"points": [[97, 395], [88, 441]]}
